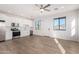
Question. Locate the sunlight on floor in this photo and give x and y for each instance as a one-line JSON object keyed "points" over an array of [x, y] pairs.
{"points": [[60, 46]]}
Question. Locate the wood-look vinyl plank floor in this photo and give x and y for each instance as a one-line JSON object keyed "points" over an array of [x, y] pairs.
{"points": [[37, 45]]}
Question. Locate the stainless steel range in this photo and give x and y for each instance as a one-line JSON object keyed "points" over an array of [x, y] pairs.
{"points": [[15, 30], [15, 33]]}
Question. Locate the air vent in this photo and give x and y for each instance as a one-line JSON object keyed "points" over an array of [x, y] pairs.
{"points": [[55, 8]]}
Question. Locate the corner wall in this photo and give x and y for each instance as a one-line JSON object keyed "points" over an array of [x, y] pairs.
{"points": [[71, 26]]}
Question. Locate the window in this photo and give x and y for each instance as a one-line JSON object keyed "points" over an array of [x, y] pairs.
{"points": [[59, 23], [37, 24]]}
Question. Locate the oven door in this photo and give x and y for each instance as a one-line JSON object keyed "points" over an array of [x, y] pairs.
{"points": [[16, 33]]}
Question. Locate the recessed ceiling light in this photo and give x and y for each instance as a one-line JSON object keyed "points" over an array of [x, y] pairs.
{"points": [[62, 6]]}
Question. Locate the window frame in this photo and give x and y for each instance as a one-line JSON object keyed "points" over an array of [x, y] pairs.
{"points": [[59, 18], [37, 24]]}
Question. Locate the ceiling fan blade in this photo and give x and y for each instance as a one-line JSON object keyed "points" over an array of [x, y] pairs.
{"points": [[46, 9], [41, 6], [46, 6], [37, 5]]}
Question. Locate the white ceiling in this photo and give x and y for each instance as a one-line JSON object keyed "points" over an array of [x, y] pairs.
{"points": [[32, 11]]}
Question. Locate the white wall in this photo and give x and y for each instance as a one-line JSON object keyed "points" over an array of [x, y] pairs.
{"points": [[22, 22], [71, 26], [78, 25]]}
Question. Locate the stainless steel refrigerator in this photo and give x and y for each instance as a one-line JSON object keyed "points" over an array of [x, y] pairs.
{"points": [[2, 31]]}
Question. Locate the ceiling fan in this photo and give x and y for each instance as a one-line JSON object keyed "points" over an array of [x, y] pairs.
{"points": [[43, 7]]}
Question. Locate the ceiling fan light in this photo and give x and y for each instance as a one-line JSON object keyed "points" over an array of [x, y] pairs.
{"points": [[41, 10]]}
